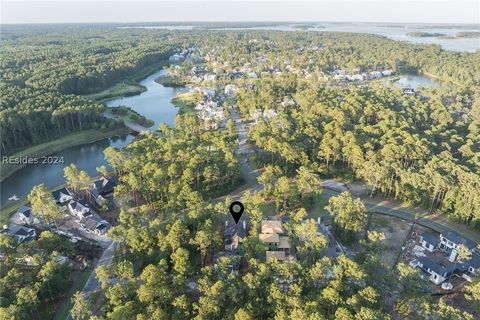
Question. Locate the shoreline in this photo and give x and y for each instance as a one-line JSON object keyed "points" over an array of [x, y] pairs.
{"points": [[7, 170], [57, 145]]}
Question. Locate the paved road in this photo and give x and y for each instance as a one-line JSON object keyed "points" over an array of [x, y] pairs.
{"points": [[93, 284]]}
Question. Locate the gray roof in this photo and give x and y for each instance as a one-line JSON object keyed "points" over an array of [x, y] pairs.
{"points": [[20, 232], [474, 262], [232, 228], [433, 265], [455, 237], [26, 211], [430, 238]]}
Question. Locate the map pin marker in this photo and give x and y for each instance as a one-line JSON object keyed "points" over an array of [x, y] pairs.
{"points": [[236, 210]]}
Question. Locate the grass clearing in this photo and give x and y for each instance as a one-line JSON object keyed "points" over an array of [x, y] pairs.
{"points": [[186, 101], [124, 88], [50, 147], [395, 231], [129, 86]]}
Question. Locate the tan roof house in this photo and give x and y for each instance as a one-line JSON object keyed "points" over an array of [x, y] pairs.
{"points": [[275, 255]]}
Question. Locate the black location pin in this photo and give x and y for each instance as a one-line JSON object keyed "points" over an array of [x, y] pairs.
{"points": [[236, 210]]}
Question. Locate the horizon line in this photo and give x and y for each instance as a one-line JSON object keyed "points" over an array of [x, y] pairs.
{"points": [[239, 21]]}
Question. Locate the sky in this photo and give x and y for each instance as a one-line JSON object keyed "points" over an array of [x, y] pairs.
{"points": [[69, 11]]}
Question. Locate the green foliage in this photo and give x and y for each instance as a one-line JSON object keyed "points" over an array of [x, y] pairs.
{"points": [[32, 276]]}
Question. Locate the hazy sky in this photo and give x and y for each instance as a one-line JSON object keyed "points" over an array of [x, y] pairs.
{"points": [[427, 11]]}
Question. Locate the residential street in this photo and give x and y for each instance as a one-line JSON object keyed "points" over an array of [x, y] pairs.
{"points": [[92, 283], [333, 187]]}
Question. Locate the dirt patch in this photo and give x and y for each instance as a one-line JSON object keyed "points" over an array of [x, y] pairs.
{"points": [[358, 189], [395, 231]]}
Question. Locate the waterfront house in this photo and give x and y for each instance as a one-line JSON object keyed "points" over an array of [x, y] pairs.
{"points": [[25, 214], [79, 208], [104, 186], [20, 233], [63, 197]]}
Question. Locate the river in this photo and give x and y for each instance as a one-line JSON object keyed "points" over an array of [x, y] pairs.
{"points": [[154, 104], [395, 31]]}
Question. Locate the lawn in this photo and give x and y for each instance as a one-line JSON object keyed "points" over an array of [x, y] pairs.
{"points": [[124, 88], [186, 101], [127, 87], [7, 211], [50, 147]]}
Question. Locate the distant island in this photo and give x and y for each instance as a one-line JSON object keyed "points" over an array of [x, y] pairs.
{"points": [[468, 34], [425, 34], [306, 26], [463, 34]]}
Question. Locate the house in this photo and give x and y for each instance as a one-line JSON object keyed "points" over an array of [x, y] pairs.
{"points": [[210, 77], [275, 255], [104, 186], [449, 242], [408, 91], [269, 113], [272, 235], [95, 224], [440, 267], [234, 233], [62, 197], [25, 214], [176, 57], [270, 240], [20, 233], [429, 241], [474, 264], [272, 226], [438, 273], [229, 260], [284, 244], [79, 208]]}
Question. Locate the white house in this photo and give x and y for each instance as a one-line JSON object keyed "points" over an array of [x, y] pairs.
{"points": [[230, 89], [95, 224], [429, 241], [62, 197], [20, 233], [79, 208], [25, 214], [437, 272], [449, 242]]}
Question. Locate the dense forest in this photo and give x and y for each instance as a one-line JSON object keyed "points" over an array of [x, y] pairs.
{"points": [[44, 68], [44, 71], [410, 148], [167, 271], [420, 148], [35, 275], [184, 167]]}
